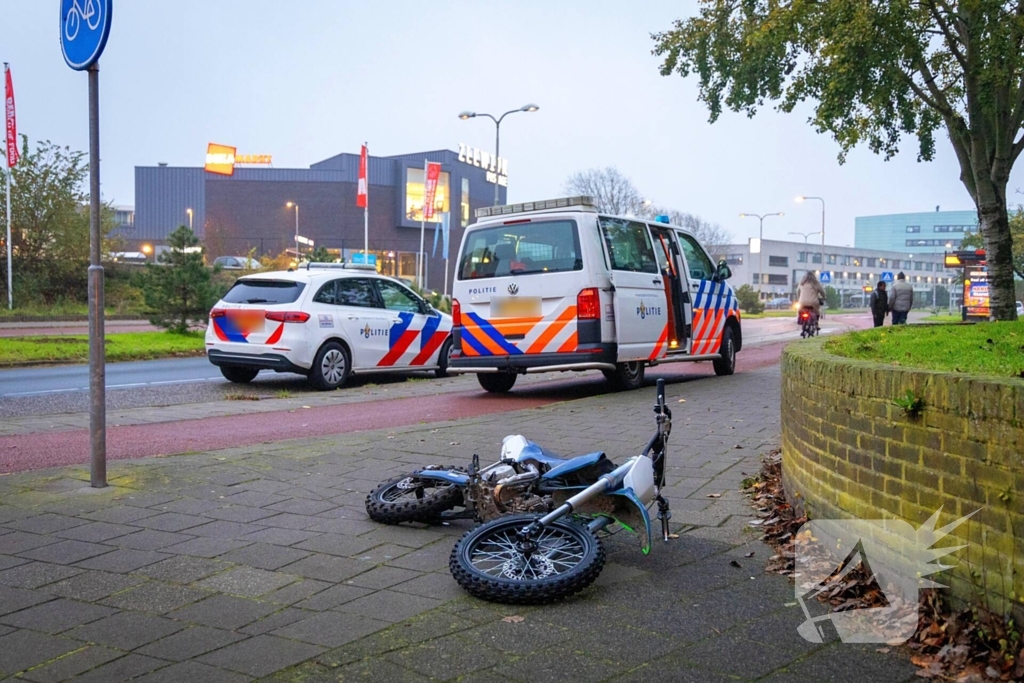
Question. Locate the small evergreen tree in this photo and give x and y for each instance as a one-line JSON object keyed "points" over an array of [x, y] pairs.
{"points": [[833, 299], [748, 299], [178, 292]]}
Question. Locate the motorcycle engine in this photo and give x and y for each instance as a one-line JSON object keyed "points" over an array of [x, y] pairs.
{"points": [[502, 490]]}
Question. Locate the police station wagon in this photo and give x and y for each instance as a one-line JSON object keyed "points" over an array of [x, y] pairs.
{"points": [[327, 322], [555, 286]]}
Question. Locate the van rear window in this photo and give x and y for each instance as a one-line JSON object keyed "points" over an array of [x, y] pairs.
{"points": [[264, 292], [521, 249]]}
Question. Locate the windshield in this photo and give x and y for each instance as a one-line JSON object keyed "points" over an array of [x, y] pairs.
{"points": [[264, 292], [521, 249]]}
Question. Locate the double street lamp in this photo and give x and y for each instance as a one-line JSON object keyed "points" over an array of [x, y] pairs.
{"points": [[497, 132], [802, 198], [805, 235], [760, 244]]}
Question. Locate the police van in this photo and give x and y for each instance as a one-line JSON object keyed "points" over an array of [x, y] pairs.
{"points": [[555, 286]]}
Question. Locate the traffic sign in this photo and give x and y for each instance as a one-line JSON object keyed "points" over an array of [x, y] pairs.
{"points": [[826, 277], [887, 276], [84, 27], [366, 259]]}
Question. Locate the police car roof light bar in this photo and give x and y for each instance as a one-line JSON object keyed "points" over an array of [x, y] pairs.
{"points": [[309, 265], [586, 203]]}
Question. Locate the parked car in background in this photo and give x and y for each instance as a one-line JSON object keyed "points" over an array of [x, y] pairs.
{"points": [[236, 263], [1020, 308], [780, 302]]}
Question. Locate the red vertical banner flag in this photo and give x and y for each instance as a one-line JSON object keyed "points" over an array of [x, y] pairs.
{"points": [[430, 189], [12, 123], [362, 191]]}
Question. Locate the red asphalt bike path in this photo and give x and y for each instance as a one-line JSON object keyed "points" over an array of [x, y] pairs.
{"points": [[54, 449]]}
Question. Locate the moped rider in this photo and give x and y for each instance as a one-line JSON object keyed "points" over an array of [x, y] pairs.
{"points": [[811, 294]]}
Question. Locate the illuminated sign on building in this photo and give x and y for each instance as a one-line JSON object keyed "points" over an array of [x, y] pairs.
{"points": [[222, 159], [497, 167]]}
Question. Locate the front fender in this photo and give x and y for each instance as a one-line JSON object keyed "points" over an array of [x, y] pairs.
{"points": [[631, 513]]}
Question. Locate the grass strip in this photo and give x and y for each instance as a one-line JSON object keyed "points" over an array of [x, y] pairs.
{"points": [[979, 348], [121, 346]]}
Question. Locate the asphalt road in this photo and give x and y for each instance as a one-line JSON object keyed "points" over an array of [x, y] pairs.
{"points": [[71, 378]]}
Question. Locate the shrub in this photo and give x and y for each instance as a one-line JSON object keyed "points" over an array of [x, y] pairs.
{"points": [[748, 299]]}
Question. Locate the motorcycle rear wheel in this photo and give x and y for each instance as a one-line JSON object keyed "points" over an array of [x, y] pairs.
{"points": [[486, 563], [411, 499]]}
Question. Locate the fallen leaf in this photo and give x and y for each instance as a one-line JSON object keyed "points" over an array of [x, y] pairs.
{"points": [[514, 619], [307, 407], [883, 650], [714, 495], [673, 535], [750, 554], [682, 400]]}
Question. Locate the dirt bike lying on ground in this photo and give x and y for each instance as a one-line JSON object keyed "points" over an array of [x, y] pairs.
{"points": [[541, 513]]}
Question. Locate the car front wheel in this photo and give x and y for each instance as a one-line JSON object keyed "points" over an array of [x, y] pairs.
{"points": [[330, 367]]}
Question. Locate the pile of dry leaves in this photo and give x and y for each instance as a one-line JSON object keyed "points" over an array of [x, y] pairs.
{"points": [[970, 646]]}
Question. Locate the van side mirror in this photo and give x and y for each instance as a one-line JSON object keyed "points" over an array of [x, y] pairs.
{"points": [[723, 272]]}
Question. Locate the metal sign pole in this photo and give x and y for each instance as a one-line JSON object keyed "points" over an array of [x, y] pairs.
{"points": [[366, 209], [97, 356], [421, 270], [10, 280]]}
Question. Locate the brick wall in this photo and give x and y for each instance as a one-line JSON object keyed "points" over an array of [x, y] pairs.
{"points": [[848, 451]]}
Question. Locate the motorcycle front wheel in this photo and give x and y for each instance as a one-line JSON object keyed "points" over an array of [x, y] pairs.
{"points": [[411, 499], [487, 563]]}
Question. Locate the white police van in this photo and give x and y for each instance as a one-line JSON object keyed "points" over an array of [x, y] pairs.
{"points": [[555, 285]]}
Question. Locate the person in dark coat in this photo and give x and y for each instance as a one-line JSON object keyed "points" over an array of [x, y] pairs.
{"points": [[879, 304]]}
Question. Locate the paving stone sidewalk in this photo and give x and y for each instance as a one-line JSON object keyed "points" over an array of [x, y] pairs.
{"points": [[260, 563]]}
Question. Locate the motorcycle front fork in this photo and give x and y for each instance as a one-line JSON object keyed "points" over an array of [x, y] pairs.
{"points": [[664, 514]]}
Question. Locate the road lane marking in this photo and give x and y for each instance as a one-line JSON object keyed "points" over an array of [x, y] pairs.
{"points": [[71, 390]]}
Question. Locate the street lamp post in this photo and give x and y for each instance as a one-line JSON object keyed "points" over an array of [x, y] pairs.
{"points": [[760, 238], [805, 235], [296, 207], [497, 132], [189, 212], [802, 198]]}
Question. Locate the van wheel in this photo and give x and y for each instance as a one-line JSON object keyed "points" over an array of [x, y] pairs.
{"points": [[330, 367], [626, 376], [726, 365], [239, 374], [444, 359], [496, 382]]}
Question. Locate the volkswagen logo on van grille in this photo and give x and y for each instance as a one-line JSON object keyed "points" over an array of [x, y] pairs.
{"points": [[513, 288]]}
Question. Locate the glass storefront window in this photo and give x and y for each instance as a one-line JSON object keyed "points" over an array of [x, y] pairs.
{"points": [[414, 196], [465, 202], [407, 265]]}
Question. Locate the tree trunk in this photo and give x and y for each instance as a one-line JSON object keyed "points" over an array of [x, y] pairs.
{"points": [[995, 228]]}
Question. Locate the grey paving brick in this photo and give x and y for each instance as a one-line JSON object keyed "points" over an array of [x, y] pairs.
{"points": [[247, 582], [332, 597], [331, 629], [264, 556], [188, 506], [239, 513], [389, 606], [336, 544], [451, 657], [121, 514], [36, 574], [126, 630], [224, 529], [76, 663], [96, 532], [383, 577], [7, 561], [57, 615], [170, 521], [193, 671], [14, 599], [301, 506], [19, 542], [148, 499], [279, 536], [300, 590], [127, 667], [21, 650], [435, 585], [348, 527], [156, 597], [45, 524], [326, 568], [432, 558], [255, 499], [287, 521], [384, 553], [206, 547], [150, 539], [66, 552], [91, 586], [122, 560], [275, 621], [183, 569], [224, 611], [190, 643], [261, 655], [556, 664]]}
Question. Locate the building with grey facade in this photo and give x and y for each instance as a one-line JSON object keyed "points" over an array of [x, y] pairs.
{"points": [[849, 269], [930, 232], [257, 208]]}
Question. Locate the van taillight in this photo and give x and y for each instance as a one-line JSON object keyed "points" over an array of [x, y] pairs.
{"points": [[218, 313], [288, 316], [456, 313], [588, 304]]}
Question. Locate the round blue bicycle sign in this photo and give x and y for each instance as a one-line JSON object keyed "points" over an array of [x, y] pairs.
{"points": [[84, 27]]}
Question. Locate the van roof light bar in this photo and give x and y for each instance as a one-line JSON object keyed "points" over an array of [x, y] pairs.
{"points": [[583, 202], [310, 265]]}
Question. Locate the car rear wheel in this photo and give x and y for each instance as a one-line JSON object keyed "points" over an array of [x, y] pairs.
{"points": [[330, 367], [496, 382], [239, 374], [444, 359], [626, 376]]}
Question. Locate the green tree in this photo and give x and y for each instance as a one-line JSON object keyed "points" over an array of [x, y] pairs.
{"points": [[49, 225], [878, 71], [320, 255], [748, 299], [833, 299], [178, 290]]}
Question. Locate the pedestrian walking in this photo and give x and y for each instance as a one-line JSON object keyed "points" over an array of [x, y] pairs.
{"points": [[901, 299], [879, 304]]}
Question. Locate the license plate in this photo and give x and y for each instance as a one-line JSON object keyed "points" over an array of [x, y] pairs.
{"points": [[247, 320], [515, 307]]}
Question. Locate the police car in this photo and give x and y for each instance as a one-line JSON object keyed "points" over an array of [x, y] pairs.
{"points": [[325, 321], [557, 286]]}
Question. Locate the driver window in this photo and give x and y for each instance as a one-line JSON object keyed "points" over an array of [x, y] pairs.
{"points": [[629, 245], [696, 260], [397, 297]]}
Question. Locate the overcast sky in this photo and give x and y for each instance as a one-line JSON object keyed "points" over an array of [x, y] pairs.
{"points": [[307, 79]]}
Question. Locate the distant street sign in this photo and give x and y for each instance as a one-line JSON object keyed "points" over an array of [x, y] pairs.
{"points": [[826, 277], [366, 259], [304, 240], [84, 27], [887, 276]]}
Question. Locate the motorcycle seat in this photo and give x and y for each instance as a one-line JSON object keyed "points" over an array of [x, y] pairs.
{"points": [[555, 464]]}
